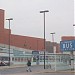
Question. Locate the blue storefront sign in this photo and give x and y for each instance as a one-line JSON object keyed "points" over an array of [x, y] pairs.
{"points": [[68, 45]]}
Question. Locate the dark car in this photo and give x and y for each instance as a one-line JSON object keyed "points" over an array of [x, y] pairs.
{"points": [[3, 63]]}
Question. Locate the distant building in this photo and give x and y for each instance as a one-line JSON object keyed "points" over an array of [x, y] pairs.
{"points": [[50, 47], [27, 42], [67, 38]]}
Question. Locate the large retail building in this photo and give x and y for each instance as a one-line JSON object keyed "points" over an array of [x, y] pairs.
{"points": [[26, 42]]}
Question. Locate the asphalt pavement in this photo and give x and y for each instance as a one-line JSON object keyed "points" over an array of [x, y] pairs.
{"points": [[36, 71]]}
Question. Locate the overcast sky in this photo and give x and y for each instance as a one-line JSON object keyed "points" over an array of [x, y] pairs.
{"points": [[28, 21]]}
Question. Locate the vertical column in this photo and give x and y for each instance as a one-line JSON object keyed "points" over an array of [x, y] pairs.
{"points": [[1, 26]]}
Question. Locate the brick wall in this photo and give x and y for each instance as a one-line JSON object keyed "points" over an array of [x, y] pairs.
{"points": [[67, 38], [18, 40], [1, 25]]}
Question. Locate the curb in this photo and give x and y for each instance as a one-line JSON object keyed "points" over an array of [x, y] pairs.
{"points": [[13, 66]]}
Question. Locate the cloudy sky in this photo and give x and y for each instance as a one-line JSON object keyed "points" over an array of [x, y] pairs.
{"points": [[28, 21]]}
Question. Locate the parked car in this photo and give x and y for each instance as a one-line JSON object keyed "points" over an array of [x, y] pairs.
{"points": [[3, 63]]}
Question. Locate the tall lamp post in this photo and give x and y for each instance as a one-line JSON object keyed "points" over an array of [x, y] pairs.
{"points": [[74, 30], [44, 33], [54, 48], [52, 36], [9, 19], [72, 55]]}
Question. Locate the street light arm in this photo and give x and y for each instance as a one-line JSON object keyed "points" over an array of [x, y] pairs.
{"points": [[52, 33], [44, 11], [9, 19]]}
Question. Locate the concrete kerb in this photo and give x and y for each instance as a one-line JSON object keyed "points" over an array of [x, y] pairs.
{"points": [[14, 66], [11, 66]]}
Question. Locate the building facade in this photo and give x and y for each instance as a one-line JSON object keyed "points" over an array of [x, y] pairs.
{"points": [[26, 42]]}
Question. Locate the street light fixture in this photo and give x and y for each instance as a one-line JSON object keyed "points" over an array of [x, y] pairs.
{"points": [[73, 24], [44, 33], [9, 19]]}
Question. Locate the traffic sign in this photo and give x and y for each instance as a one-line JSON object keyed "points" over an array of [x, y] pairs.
{"points": [[68, 45]]}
